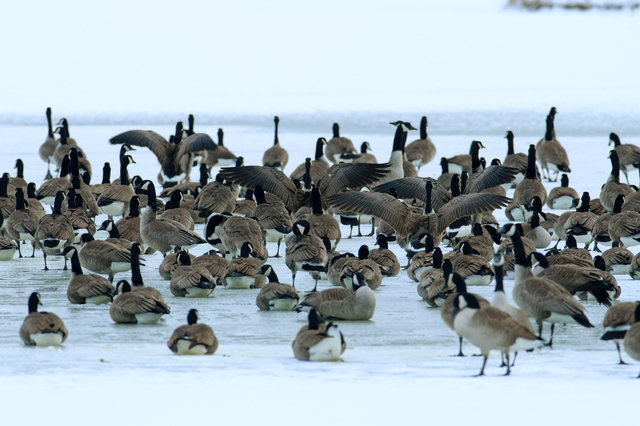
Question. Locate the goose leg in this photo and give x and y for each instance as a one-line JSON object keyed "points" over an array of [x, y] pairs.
{"points": [[33, 251], [484, 363], [45, 261], [19, 251], [460, 346], [515, 355], [550, 342], [502, 363], [65, 265], [359, 232], [508, 365], [278, 251], [48, 175], [620, 355], [540, 329], [373, 227]]}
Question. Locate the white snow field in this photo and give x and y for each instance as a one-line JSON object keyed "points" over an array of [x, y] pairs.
{"points": [[474, 68]]}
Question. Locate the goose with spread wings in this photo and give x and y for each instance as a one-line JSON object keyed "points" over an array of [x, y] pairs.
{"points": [[175, 157], [405, 221], [340, 176]]}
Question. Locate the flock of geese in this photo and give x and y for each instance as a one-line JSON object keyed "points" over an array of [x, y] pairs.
{"points": [[445, 224]]}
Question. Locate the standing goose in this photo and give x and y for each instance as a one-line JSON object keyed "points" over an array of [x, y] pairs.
{"points": [[65, 145], [83, 288], [541, 298], [318, 341], [317, 169], [624, 226], [78, 216], [191, 280], [174, 211], [305, 252], [445, 177], [49, 145], [550, 153], [517, 160], [104, 257], [245, 271], [530, 187], [421, 151], [97, 189], [137, 281], [276, 155], [42, 328], [164, 235], [113, 199], [22, 223], [32, 201], [174, 158], [131, 307], [340, 149], [397, 157], [358, 304], [385, 258], [410, 225], [322, 224], [563, 197], [365, 270], [221, 156], [129, 226], [54, 231], [629, 155], [581, 222], [612, 188], [273, 218], [193, 338], [276, 296], [488, 328], [617, 321]]}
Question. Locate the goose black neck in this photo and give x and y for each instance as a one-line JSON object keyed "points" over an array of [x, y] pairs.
{"points": [[397, 139], [499, 284], [615, 139], [314, 320], [19, 168], [584, 205], [245, 250], [423, 127], [617, 205], [19, 199], [455, 185], [106, 173], [518, 250], [64, 168], [531, 163], [31, 190], [319, 150], [136, 276], [220, 137], [535, 220], [177, 138], [382, 242], [174, 200], [134, 207], [444, 163], [316, 204], [548, 135], [363, 252], [615, 166], [510, 148], [49, 123], [464, 176], [336, 130], [57, 204], [564, 180], [258, 194], [184, 258], [191, 121], [151, 197], [64, 135], [636, 313], [4, 182], [114, 233], [33, 303], [124, 174], [437, 258], [192, 317], [475, 155], [276, 120], [76, 268], [428, 186], [363, 148], [74, 166]]}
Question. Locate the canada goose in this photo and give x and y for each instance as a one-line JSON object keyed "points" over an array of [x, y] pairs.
{"points": [[366, 157], [54, 231], [629, 155], [305, 252], [600, 230], [22, 223], [174, 158], [445, 177], [397, 157], [8, 247], [221, 156], [136, 306], [488, 327], [473, 268], [164, 235], [106, 181], [421, 151], [247, 206], [191, 280], [193, 338], [410, 225], [563, 197], [78, 216], [366, 270], [18, 181], [536, 233], [318, 341], [32, 201], [422, 260], [65, 145], [624, 227], [114, 234], [273, 218], [530, 186], [516, 160], [89, 288], [276, 155], [317, 168], [215, 264], [7, 203], [173, 211], [245, 271], [343, 303], [550, 153], [463, 162], [632, 340], [42, 328], [273, 181], [103, 257], [275, 296], [480, 241], [340, 149], [385, 258], [169, 263], [433, 286], [581, 222], [541, 298], [49, 145], [47, 191], [129, 226], [322, 224], [228, 234], [216, 197], [113, 199], [617, 321], [612, 188], [618, 259]]}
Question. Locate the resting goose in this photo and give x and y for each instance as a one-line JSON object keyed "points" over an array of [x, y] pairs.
{"points": [[358, 304], [191, 280], [276, 296], [141, 307], [193, 338], [42, 328], [318, 341], [91, 288], [563, 197]]}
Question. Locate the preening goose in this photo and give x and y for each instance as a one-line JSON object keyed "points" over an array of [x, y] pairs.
{"points": [[275, 156], [276, 296], [421, 151], [318, 341], [193, 338], [175, 158], [86, 288], [340, 149], [42, 328], [517, 160]]}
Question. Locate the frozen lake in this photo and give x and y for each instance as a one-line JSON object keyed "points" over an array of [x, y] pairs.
{"points": [[398, 366]]}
